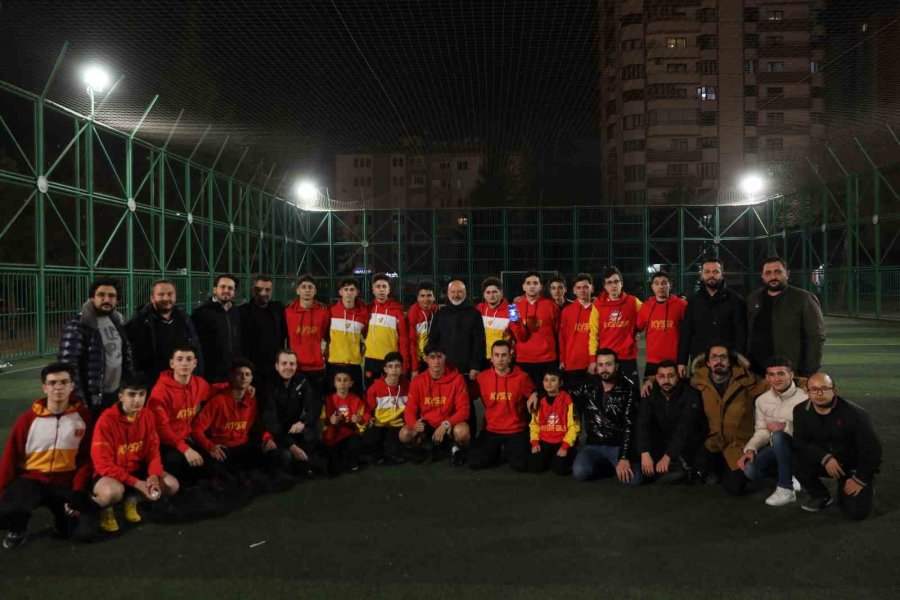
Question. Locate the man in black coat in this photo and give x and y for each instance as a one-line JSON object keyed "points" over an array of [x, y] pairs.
{"points": [[218, 326], [834, 438], [713, 314], [157, 328], [263, 329]]}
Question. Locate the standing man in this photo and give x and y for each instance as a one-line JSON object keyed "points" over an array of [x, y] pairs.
{"points": [[714, 314], [387, 329], [558, 292], [575, 333], [784, 320], [613, 324], [94, 342], [349, 319], [157, 328], [535, 330], [834, 438], [418, 323], [661, 317], [219, 328], [307, 327], [494, 314], [263, 329]]}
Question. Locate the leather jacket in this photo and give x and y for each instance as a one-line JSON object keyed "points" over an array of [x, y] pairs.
{"points": [[609, 423]]}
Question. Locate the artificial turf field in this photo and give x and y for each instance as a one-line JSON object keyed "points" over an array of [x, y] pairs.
{"points": [[437, 532]]}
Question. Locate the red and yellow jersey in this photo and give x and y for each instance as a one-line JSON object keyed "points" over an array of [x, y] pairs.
{"points": [[418, 324], [349, 405], [496, 324], [346, 331], [555, 422], [387, 331], [613, 323]]}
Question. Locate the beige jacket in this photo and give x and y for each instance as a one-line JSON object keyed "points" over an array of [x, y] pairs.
{"points": [[771, 406]]}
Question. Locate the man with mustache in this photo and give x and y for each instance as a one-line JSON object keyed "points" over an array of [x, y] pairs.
{"points": [[94, 342], [784, 320]]}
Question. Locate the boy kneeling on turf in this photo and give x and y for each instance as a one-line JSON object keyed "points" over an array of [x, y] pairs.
{"points": [[345, 417], [386, 399], [125, 452], [554, 429], [437, 407]]}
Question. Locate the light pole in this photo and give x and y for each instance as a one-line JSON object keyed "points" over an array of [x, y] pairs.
{"points": [[97, 79]]}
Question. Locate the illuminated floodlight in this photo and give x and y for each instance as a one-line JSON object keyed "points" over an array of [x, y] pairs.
{"points": [[752, 184], [307, 192], [96, 78]]}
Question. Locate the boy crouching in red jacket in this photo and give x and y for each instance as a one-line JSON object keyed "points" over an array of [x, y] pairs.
{"points": [[344, 418]]}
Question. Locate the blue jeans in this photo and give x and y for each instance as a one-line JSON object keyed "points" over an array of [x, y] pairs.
{"points": [[590, 458], [778, 453]]}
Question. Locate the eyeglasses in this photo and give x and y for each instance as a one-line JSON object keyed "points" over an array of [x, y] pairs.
{"points": [[59, 383], [719, 357], [819, 390]]}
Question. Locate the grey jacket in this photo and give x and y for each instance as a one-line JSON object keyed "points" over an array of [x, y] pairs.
{"points": [[798, 329]]}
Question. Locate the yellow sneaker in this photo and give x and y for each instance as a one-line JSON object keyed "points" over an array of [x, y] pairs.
{"points": [[129, 508], [108, 521]]}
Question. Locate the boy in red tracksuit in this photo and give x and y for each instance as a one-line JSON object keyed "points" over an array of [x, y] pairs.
{"points": [[308, 322], [387, 331], [661, 317], [614, 323], [494, 313], [535, 329], [227, 431], [125, 452], [344, 417], [437, 408], [347, 329], [505, 391], [575, 332], [418, 324], [554, 429]]}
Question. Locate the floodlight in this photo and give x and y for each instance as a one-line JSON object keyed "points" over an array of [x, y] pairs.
{"points": [[752, 184], [307, 192], [96, 78]]}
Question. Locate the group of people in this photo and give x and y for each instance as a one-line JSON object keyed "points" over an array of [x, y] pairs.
{"points": [[135, 413]]}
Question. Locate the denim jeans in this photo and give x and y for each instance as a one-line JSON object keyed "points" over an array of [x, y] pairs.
{"points": [[778, 453], [590, 458]]}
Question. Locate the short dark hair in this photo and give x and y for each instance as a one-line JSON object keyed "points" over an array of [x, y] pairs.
{"points": [[732, 357], [582, 277], [667, 364], [261, 277], [57, 367], [558, 279], [182, 347], [380, 277], [346, 372], [284, 351], [500, 342], [772, 259], [555, 372], [162, 282], [133, 381], [779, 361], [391, 357], [608, 352], [660, 274], [424, 285], [533, 274], [348, 281], [610, 271], [107, 281], [240, 363], [709, 259], [306, 278], [222, 276], [489, 281], [432, 347]]}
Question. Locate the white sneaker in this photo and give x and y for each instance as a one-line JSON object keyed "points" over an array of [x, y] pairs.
{"points": [[795, 483], [781, 497]]}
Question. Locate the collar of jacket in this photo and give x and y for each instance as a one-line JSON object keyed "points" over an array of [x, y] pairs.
{"points": [[700, 372], [89, 316], [148, 312]]}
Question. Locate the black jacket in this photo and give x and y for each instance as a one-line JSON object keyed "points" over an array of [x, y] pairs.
{"points": [[283, 406], [708, 319], [152, 340], [459, 331], [610, 423], [845, 433], [670, 426], [797, 328], [263, 333], [220, 338]]}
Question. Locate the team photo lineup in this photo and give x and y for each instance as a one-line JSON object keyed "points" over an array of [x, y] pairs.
{"points": [[164, 416]]}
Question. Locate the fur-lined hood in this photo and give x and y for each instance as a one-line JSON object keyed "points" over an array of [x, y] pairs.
{"points": [[88, 316], [699, 361]]}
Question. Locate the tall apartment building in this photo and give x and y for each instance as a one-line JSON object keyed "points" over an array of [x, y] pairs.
{"points": [[401, 180], [695, 93]]}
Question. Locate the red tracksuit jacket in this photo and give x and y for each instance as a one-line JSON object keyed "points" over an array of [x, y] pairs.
{"points": [[224, 420], [575, 336], [418, 326], [504, 398], [174, 407], [662, 321], [612, 325], [348, 406], [535, 331], [122, 445], [307, 327], [437, 400]]}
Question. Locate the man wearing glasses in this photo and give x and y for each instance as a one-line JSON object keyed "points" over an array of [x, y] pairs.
{"points": [[834, 438]]}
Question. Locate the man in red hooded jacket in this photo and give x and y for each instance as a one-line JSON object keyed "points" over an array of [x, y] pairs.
{"points": [[613, 324], [307, 327], [575, 333], [535, 329], [661, 317]]}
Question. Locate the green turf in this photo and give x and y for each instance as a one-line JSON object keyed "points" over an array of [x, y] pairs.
{"points": [[436, 532]]}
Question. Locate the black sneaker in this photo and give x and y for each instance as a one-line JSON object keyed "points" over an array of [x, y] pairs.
{"points": [[14, 539], [458, 457], [817, 503]]}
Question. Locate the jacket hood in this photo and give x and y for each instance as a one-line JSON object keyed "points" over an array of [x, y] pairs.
{"points": [[39, 407], [671, 299], [389, 304], [700, 372], [514, 372], [450, 373], [484, 306], [88, 316], [296, 307], [604, 300], [358, 305], [167, 380]]}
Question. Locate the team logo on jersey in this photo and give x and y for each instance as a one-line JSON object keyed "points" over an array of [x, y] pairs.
{"points": [[380, 320], [79, 432], [615, 315], [346, 324], [552, 419], [344, 410]]}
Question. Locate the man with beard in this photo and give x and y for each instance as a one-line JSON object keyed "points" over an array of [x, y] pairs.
{"points": [[219, 328], [670, 426], [728, 389], [713, 314], [607, 404], [157, 328], [94, 342], [263, 329], [784, 320]]}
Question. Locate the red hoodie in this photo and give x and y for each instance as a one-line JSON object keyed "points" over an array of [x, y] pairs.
{"points": [[437, 400], [174, 406], [575, 336], [123, 444], [613, 323], [226, 421], [504, 398], [662, 321], [535, 331], [418, 325], [348, 406], [307, 327]]}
